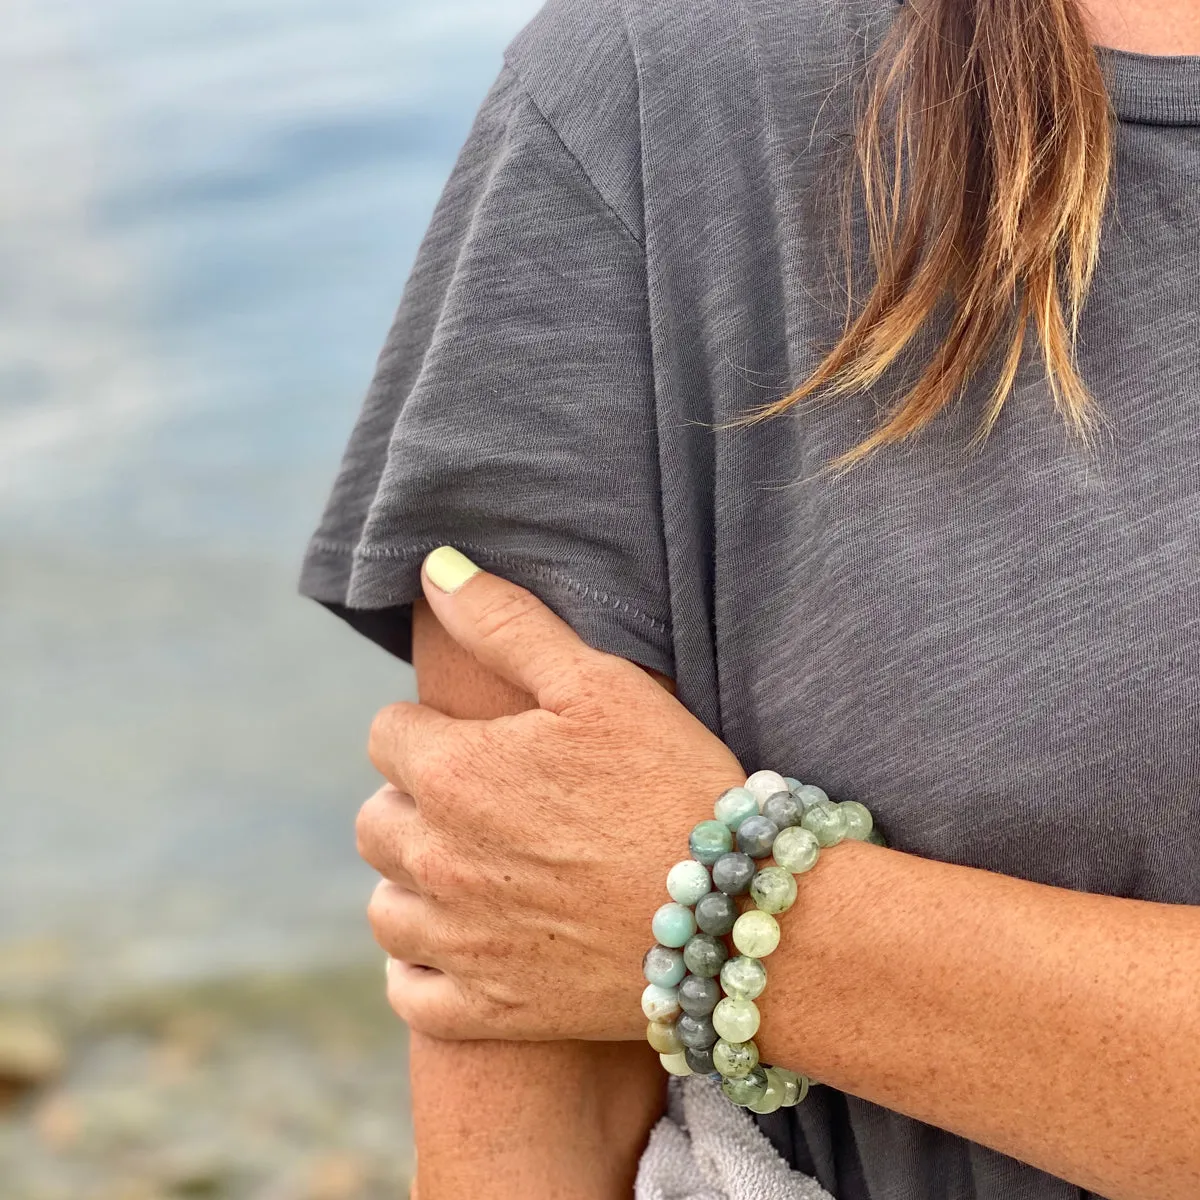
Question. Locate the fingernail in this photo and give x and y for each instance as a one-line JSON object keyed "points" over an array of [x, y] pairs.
{"points": [[448, 570]]}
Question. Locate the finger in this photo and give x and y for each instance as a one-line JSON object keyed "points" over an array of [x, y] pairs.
{"points": [[431, 1003], [402, 924], [414, 746], [387, 826], [507, 629]]}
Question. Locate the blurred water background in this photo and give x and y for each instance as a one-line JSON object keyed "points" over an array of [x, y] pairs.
{"points": [[207, 214]]}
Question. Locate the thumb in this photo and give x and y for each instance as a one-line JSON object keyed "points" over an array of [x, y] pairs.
{"points": [[506, 628]]}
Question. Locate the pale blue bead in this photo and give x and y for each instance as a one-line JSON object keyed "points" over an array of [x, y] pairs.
{"points": [[673, 924], [794, 785], [664, 966], [705, 955], [687, 881], [859, 822], [709, 840], [808, 795], [756, 836], [731, 873], [734, 806], [825, 821]]}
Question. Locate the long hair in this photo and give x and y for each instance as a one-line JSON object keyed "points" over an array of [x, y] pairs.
{"points": [[982, 163]]}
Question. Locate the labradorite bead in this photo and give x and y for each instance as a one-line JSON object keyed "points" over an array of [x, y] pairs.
{"points": [[744, 1089], [716, 913], [735, 1020], [773, 889], [735, 1060], [794, 785], [876, 838], [698, 996], [709, 840], [664, 1037], [687, 881], [697, 1032], [732, 873], [825, 820], [743, 977], [701, 1061], [663, 965], [676, 1064], [784, 809], [858, 819], [660, 1003], [673, 924], [705, 955], [809, 794], [772, 1097], [765, 783], [756, 835], [796, 850], [734, 806], [755, 934]]}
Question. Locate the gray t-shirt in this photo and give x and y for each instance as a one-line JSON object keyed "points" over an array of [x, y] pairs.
{"points": [[995, 651]]}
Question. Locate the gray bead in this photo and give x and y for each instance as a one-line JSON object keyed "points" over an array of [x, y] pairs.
{"points": [[701, 1061], [696, 1032], [698, 996], [716, 913], [705, 955], [784, 809], [732, 873], [756, 835]]}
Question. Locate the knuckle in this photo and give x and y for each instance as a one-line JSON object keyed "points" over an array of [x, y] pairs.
{"points": [[379, 737]]}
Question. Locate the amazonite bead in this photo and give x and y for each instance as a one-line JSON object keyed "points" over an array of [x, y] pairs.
{"points": [[698, 996], [660, 1003], [716, 913], [734, 806], [735, 1020], [772, 1097], [756, 835], [664, 966], [773, 889], [795, 1087], [743, 977], [673, 924], [794, 785], [701, 1061], [735, 1060], [745, 1089], [697, 1032], [732, 873], [709, 840], [796, 850], [705, 955], [687, 881], [765, 783], [755, 934], [675, 1064], [664, 1037], [809, 794], [784, 809], [826, 822], [858, 819]]}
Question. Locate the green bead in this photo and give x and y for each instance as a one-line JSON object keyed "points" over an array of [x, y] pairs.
{"points": [[735, 1060], [673, 924], [756, 933], [773, 889], [795, 1087], [734, 806], [705, 955], [744, 978], [675, 1064], [664, 1038], [809, 794], [796, 850], [745, 1089], [688, 881], [859, 822], [826, 822], [709, 840], [772, 1097], [736, 1020], [876, 838]]}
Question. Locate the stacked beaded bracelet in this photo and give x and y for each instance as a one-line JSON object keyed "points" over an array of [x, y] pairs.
{"points": [[699, 1025]]}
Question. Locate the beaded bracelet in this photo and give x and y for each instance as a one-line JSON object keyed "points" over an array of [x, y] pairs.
{"points": [[700, 1026]]}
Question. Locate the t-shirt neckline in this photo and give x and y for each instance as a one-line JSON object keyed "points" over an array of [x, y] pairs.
{"points": [[1153, 89]]}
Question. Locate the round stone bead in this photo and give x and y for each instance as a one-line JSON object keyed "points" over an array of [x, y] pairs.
{"points": [[698, 996], [697, 1032], [859, 822], [796, 850], [673, 924], [734, 806], [732, 873], [701, 1061], [687, 881], [773, 889], [745, 1089], [794, 785], [772, 1098], [716, 913], [664, 1037], [765, 783], [809, 794], [795, 1087], [735, 1020], [664, 966], [735, 1060], [676, 1064], [709, 840], [784, 809], [756, 835], [741, 977], [826, 821], [876, 838], [660, 1003], [755, 934], [705, 955]]}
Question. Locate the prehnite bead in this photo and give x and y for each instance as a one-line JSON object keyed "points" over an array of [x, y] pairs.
{"points": [[745, 1089], [709, 840], [784, 809], [716, 913], [773, 889], [795, 1087], [859, 822], [794, 785], [664, 1037], [741, 977], [809, 794], [796, 850], [705, 955], [701, 1061], [875, 837], [676, 1064], [698, 996], [697, 1032], [825, 820], [687, 881], [735, 1020], [772, 1097], [660, 1003], [734, 806], [756, 835], [732, 873], [673, 924], [664, 965], [735, 1060], [755, 934], [765, 783]]}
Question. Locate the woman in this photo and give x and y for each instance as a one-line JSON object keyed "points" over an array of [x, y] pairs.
{"points": [[989, 640]]}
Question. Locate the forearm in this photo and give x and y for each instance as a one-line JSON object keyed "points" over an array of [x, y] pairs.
{"points": [[1058, 1027]]}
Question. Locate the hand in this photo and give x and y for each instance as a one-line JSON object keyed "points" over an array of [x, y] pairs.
{"points": [[524, 857]]}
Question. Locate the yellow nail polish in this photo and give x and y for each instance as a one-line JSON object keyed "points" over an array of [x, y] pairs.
{"points": [[448, 570]]}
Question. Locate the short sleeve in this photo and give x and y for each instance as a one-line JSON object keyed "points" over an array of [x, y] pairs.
{"points": [[512, 410]]}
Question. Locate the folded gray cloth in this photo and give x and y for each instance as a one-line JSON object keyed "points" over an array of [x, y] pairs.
{"points": [[708, 1149]]}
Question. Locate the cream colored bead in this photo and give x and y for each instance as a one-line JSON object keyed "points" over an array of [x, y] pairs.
{"points": [[675, 1064], [756, 934]]}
